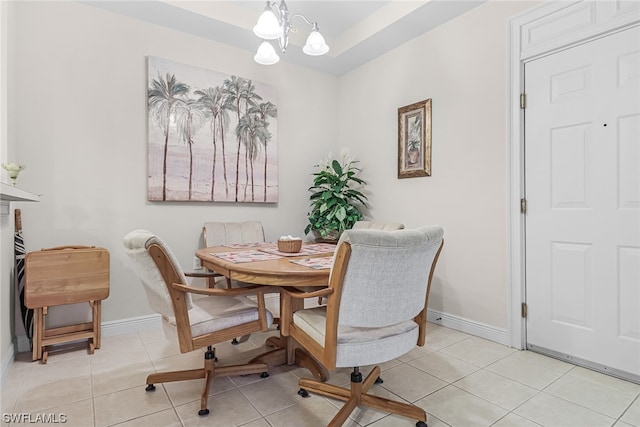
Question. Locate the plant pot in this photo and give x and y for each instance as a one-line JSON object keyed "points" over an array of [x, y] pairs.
{"points": [[413, 156], [329, 236]]}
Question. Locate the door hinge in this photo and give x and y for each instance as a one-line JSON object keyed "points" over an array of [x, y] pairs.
{"points": [[523, 206], [523, 101], [524, 310]]}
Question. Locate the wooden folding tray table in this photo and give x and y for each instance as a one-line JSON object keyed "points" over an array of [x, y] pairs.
{"points": [[65, 275]]}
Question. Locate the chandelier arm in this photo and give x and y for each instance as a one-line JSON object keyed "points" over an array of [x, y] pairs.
{"points": [[274, 5], [297, 15]]}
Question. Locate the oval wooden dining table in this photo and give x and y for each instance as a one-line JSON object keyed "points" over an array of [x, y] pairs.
{"points": [[278, 272]]}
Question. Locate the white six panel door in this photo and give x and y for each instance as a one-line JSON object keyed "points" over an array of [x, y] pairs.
{"points": [[582, 184]]}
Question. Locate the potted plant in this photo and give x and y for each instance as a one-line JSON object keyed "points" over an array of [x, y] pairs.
{"points": [[336, 202]]}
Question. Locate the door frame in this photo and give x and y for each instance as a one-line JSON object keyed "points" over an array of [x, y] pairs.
{"points": [[538, 32]]}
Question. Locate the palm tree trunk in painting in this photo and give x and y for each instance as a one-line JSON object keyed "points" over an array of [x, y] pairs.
{"points": [[237, 168], [224, 159], [164, 161], [246, 168], [190, 143], [238, 152], [252, 186], [238, 159], [213, 166], [265, 172]]}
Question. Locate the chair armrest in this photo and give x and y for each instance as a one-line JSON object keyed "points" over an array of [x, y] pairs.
{"points": [[208, 274], [297, 293], [249, 290]]}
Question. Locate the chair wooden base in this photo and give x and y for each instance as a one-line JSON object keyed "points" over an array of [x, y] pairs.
{"points": [[357, 396], [208, 373]]}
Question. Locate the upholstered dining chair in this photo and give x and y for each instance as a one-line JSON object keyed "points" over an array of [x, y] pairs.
{"points": [[209, 317], [376, 311], [216, 233]]}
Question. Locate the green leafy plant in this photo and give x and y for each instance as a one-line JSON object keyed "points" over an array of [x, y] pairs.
{"points": [[336, 202]]}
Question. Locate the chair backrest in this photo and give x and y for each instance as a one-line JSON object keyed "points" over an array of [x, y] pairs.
{"points": [[384, 267], [136, 245], [222, 233], [371, 225]]}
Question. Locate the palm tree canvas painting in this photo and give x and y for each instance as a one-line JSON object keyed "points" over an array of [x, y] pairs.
{"points": [[212, 137]]}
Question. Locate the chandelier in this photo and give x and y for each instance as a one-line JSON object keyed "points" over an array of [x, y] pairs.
{"points": [[275, 23]]}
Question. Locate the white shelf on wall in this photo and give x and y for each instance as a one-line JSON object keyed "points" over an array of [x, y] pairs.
{"points": [[9, 193]]}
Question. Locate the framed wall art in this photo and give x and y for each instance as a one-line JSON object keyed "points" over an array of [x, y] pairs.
{"points": [[212, 136], [414, 140]]}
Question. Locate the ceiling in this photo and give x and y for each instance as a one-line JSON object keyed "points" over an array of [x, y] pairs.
{"points": [[356, 31]]}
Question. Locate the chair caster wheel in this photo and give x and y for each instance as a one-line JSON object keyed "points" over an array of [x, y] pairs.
{"points": [[303, 393], [150, 387], [235, 341], [421, 424], [203, 412], [264, 375], [379, 381]]}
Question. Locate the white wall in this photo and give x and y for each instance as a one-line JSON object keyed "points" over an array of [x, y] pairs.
{"points": [[77, 77], [462, 67]]}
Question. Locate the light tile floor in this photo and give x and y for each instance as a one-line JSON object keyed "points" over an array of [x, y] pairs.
{"points": [[460, 380]]}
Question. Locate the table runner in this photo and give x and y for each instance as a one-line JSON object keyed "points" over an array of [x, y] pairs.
{"points": [[245, 256]]}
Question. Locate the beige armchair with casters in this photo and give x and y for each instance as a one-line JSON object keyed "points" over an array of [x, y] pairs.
{"points": [[376, 311], [216, 233], [209, 317]]}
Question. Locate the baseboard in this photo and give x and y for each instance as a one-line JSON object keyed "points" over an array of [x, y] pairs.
{"points": [[7, 362], [133, 324], [471, 327]]}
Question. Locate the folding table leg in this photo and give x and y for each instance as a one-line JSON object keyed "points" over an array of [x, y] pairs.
{"points": [[97, 321], [38, 332], [36, 341]]}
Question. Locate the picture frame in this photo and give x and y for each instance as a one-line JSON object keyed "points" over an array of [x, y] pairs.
{"points": [[414, 140]]}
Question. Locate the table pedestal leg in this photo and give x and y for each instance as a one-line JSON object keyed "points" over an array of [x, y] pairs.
{"points": [[304, 360], [283, 355], [278, 356]]}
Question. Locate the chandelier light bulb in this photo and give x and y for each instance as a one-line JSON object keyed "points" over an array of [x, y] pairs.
{"points": [[266, 54], [268, 27], [316, 44]]}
